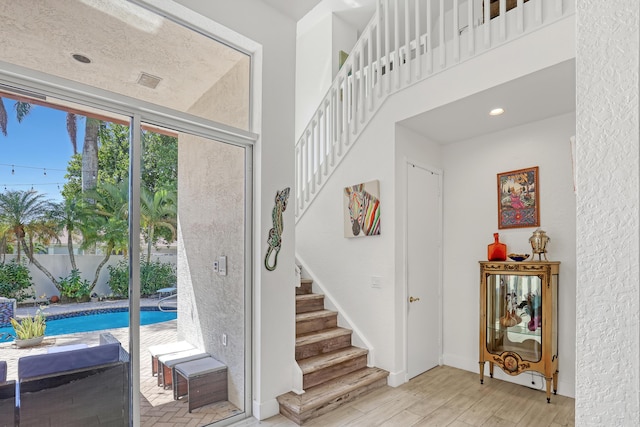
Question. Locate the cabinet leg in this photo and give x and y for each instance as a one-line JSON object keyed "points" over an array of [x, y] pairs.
{"points": [[549, 380], [555, 382], [481, 372], [491, 369]]}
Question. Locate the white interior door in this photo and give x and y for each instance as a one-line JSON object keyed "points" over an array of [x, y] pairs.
{"points": [[423, 270]]}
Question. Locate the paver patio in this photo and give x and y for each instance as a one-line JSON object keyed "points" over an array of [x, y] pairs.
{"points": [[157, 407]]}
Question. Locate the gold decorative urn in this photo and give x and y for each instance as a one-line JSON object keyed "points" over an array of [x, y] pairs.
{"points": [[539, 241]]}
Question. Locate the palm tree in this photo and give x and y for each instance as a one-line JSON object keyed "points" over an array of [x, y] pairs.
{"points": [[22, 110], [69, 215], [157, 210], [25, 214], [108, 221]]}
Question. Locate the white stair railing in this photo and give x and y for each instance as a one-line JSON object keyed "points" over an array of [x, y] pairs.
{"points": [[405, 42]]}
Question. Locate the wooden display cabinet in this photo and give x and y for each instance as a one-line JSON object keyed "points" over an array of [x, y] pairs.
{"points": [[519, 318]]}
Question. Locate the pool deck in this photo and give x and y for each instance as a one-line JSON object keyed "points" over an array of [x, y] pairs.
{"points": [[157, 407]]}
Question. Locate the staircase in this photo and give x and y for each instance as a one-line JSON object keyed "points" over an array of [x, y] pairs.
{"points": [[405, 42], [334, 372]]}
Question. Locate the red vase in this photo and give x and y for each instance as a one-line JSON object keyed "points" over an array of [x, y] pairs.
{"points": [[496, 251]]}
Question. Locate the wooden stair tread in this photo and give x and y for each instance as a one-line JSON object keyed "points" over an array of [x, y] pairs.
{"points": [[306, 297], [319, 395], [322, 361], [326, 334], [310, 315], [306, 281]]}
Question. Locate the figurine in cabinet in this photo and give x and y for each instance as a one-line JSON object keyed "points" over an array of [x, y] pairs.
{"points": [[519, 319]]}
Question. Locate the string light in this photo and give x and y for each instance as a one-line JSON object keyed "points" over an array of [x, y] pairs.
{"points": [[44, 169]]}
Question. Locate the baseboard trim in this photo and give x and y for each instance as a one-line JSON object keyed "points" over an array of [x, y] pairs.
{"points": [[264, 410]]}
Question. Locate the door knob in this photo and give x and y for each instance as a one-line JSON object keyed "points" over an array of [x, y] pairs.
{"points": [[412, 299]]}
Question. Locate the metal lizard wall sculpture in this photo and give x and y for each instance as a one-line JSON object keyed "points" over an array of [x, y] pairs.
{"points": [[275, 234]]}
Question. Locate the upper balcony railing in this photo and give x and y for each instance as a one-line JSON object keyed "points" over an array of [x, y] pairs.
{"points": [[405, 42]]}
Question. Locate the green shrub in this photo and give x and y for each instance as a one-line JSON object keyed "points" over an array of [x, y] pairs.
{"points": [[153, 276], [15, 281], [119, 278], [73, 286]]}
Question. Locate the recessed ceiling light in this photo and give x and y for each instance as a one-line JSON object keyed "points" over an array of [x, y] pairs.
{"points": [[496, 111], [81, 58]]}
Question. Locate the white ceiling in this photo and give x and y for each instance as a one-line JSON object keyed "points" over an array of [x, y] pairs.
{"points": [[534, 97], [294, 9], [122, 40]]}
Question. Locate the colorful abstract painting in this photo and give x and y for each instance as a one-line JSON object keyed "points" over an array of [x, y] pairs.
{"points": [[518, 198], [362, 209]]}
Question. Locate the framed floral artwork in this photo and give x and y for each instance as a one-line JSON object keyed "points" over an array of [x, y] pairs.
{"points": [[519, 198]]}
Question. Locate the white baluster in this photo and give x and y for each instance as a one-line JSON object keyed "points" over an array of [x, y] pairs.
{"points": [[428, 45], [471, 33], [456, 32], [298, 179], [322, 157], [355, 89], [361, 97], [341, 115], [387, 51], [503, 20], [418, 48], [558, 7], [442, 43], [313, 159], [327, 135], [487, 24], [371, 73], [332, 133], [379, 48], [305, 165], [538, 12], [407, 40], [520, 16], [396, 57]]}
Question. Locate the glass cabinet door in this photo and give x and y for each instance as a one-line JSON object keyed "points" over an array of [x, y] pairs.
{"points": [[514, 315]]}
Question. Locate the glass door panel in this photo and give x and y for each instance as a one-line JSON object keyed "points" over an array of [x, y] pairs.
{"points": [[514, 315], [209, 202]]}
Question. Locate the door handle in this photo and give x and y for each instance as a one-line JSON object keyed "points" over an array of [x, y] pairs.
{"points": [[412, 299]]}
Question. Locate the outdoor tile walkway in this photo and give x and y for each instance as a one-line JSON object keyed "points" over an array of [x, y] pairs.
{"points": [[157, 407]]}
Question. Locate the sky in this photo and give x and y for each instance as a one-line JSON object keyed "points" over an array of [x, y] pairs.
{"points": [[35, 153]]}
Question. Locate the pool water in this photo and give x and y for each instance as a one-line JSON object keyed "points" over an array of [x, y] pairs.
{"points": [[94, 322]]}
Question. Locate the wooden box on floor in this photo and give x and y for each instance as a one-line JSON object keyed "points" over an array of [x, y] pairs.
{"points": [[203, 381]]}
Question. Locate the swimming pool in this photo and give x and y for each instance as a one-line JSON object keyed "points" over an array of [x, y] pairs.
{"points": [[96, 320]]}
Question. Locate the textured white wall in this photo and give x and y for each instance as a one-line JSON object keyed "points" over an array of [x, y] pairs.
{"points": [[608, 167], [211, 223], [273, 79], [470, 219]]}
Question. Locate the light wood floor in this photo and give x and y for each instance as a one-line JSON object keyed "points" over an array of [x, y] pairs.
{"points": [[445, 396]]}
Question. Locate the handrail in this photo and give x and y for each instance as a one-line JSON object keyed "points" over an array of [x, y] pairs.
{"points": [[161, 300], [411, 40]]}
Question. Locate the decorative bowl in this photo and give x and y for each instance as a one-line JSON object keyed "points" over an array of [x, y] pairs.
{"points": [[518, 257]]}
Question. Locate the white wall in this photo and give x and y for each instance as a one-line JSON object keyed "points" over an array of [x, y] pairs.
{"points": [[471, 218], [608, 211], [317, 47], [343, 267], [272, 39]]}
